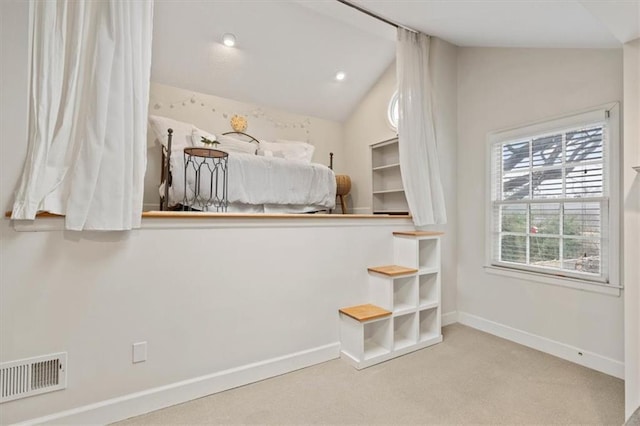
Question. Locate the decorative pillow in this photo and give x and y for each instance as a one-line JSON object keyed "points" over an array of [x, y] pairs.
{"points": [[181, 132], [289, 151]]}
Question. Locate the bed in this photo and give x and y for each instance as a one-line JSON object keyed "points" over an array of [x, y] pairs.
{"points": [[260, 179]]}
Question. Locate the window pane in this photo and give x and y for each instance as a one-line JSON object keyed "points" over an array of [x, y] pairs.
{"points": [[582, 255], [515, 186], [547, 151], [547, 183], [514, 218], [545, 251], [515, 156], [584, 181], [582, 219], [545, 219], [513, 248], [584, 145]]}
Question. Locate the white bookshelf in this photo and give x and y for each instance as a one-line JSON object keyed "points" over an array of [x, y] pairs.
{"points": [[388, 195]]}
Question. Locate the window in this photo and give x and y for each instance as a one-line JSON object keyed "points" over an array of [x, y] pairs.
{"points": [[393, 111], [553, 204]]}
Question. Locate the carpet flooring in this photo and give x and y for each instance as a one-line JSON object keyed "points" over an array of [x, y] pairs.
{"points": [[471, 377]]}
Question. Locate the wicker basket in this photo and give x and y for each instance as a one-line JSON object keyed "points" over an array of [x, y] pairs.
{"points": [[343, 184]]}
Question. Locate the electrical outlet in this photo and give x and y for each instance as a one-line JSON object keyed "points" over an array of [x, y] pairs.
{"points": [[139, 352]]}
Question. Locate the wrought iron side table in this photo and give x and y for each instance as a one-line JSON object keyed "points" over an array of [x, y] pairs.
{"points": [[207, 169]]}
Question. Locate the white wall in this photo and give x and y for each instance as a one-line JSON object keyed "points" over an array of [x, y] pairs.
{"points": [[213, 114], [14, 15], [368, 124], [500, 88], [631, 199]]}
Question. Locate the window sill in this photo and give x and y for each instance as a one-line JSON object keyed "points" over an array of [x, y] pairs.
{"points": [[557, 281]]}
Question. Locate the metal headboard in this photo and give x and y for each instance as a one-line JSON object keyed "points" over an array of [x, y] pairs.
{"points": [[243, 134]]}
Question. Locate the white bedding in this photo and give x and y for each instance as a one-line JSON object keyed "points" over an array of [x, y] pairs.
{"points": [[262, 184]]}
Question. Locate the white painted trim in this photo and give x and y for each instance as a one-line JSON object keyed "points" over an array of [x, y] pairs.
{"points": [[449, 318], [579, 356], [558, 281], [138, 403]]}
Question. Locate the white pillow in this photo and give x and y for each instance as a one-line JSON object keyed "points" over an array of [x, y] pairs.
{"points": [[309, 149], [181, 132], [225, 143], [198, 134], [290, 151], [230, 144]]}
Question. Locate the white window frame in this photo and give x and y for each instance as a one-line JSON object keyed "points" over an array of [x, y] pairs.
{"points": [[391, 119], [611, 227]]}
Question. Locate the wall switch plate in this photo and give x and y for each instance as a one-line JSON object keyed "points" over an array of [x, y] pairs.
{"points": [[139, 352]]}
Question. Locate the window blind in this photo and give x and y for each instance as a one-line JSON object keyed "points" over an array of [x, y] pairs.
{"points": [[550, 201]]}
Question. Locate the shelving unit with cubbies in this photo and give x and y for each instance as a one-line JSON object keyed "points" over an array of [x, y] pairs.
{"points": [[404, 314], [388, 195]]}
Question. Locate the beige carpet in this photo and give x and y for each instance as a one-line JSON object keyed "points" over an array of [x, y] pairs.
{"points": [[471, 377]]}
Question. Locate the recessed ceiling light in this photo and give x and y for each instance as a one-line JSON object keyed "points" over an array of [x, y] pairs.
{"points": [[229, 40], [340, 75]]}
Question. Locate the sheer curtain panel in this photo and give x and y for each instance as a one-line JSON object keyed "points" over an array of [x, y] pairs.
{"points": [[88, 97], [417, 139]]}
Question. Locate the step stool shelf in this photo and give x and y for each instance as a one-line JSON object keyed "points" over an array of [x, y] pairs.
{"points": [[365, 312], [404, 312], [392, 270], [418, 233]]}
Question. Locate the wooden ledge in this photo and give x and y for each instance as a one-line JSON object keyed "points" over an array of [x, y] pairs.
{"points": [[210, 215], [392, 270], [418, 233], [366, 312]]}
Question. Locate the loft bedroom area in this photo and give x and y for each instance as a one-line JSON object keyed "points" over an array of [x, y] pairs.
{"points": [[293, 78], [500, 249]]}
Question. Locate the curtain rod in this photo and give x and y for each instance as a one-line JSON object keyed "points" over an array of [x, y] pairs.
{"points": [[373, 15]]}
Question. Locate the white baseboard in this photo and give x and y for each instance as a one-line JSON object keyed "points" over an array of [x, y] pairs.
{"points": [[588, 359], [138, 403], [449, 318]]}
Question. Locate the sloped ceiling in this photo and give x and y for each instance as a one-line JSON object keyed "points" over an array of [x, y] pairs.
{"points": [[286, 57], [288, 52]]}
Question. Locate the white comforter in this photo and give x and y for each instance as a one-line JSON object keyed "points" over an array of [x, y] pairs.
{"points": [[262, 181]]}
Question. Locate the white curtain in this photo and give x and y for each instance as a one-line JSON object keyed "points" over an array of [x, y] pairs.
{"points": [[419, 162], [88, 98]]}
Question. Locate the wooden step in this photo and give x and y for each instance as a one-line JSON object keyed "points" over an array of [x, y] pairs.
{"points": [[366, 312], [418, 233], [392, 270]]}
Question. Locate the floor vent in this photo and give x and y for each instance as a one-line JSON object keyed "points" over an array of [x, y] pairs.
{"points": [[32, 376]]}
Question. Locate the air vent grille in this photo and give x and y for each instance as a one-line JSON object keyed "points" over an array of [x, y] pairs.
{"points": [[32, 376]]}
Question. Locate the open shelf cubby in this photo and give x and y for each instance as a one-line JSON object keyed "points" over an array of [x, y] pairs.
{"points": [[404, 293], [377, 338], [429, 324], [404, 331], [428, 289], [428, 254]]}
